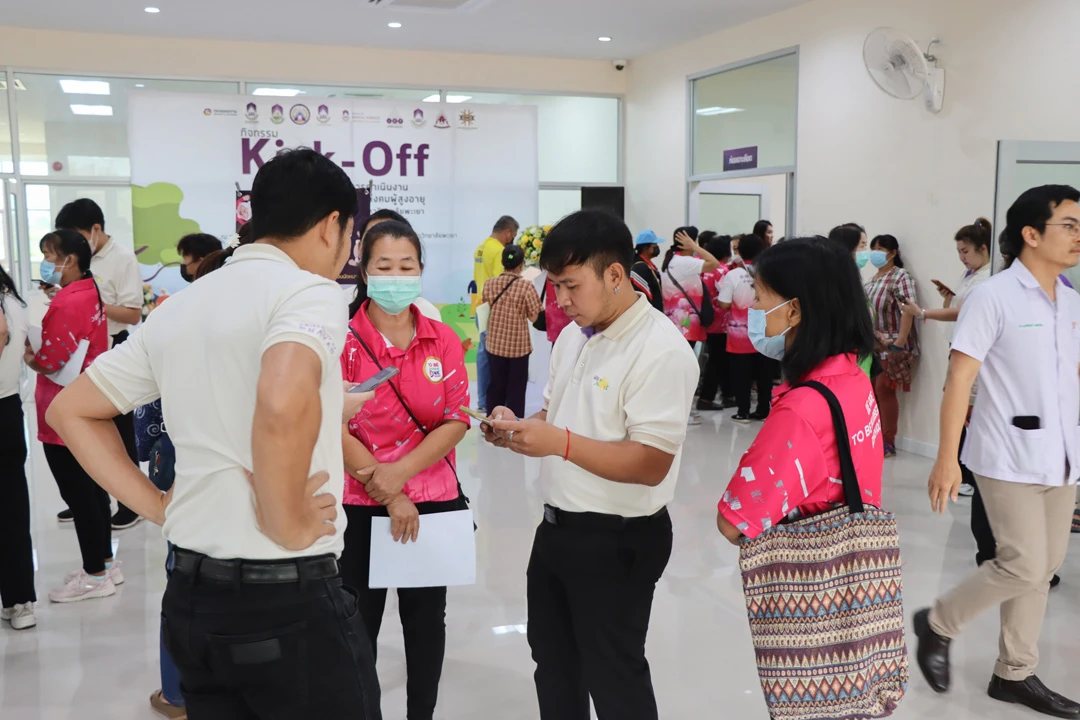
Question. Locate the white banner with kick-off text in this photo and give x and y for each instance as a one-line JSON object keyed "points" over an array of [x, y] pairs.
{"points": [[451, 170]]}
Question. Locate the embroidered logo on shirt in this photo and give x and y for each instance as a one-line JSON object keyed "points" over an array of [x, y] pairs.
{"points": [[320, 332], [433, 369], [600, 382]]}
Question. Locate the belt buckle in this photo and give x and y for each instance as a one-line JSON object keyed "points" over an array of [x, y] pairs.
{"points": [[551, 515]]}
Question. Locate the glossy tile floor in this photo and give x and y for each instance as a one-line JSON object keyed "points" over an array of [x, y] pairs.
{"points": [[98, 660]]}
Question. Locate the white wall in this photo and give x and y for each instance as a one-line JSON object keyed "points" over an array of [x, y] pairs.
{"points": [[278, 62], [866, 157]]}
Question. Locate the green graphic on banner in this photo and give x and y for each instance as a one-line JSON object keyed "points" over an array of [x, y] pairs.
{"points": [[157, 223]]}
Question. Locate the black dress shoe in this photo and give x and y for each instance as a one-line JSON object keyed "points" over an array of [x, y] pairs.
{"points": [[1033, 694], [933, 653], [1055, 581], [708, 406], [65, 516]]}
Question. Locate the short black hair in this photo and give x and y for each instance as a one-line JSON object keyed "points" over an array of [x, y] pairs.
{"points": [[847, 236], [750, 246], [296, 190], [81, 214], [835, 316], [513, 256], [719, 247], [198, 245], [383, 215], [1032, 209], [706, 237], [588, 237], [505, 223]]}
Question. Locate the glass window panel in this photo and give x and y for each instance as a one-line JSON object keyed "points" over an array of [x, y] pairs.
{"points": [[5, 127], [578, 137], [57, 142], [754, 105]]}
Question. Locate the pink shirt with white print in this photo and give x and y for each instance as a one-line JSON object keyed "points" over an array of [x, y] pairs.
{"points": [[793, 468], [432, 380], [679, 304]]}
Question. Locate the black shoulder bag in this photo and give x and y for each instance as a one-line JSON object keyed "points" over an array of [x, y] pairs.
{"points": [[541, 319], [461, 492], [706, 314], [852, 493]]}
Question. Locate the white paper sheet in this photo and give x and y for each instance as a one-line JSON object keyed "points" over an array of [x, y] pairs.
{"points": [[444, 553], [67, 374]]}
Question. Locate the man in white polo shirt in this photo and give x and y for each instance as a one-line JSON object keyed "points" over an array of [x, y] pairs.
{"points": [[611, 432], [120, 283], [1019, 332], [246, 363]]}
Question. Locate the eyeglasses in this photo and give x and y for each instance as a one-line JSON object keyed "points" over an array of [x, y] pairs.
{"points": [[1070, 227]]}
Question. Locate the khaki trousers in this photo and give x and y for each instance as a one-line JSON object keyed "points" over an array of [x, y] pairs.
{"points": [[1031, 524]]}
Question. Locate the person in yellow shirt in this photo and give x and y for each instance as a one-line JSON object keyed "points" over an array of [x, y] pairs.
{"points": [[488, 264]]}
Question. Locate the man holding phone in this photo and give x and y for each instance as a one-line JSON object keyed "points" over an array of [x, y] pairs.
{"points": [[610, 437], [1019, 332]]}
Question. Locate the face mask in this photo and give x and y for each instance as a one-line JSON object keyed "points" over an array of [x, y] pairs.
{"points": [[771, 347], [879, 258], [655, 251], [50, 273], [187, 277], [861, 258], [393, 293]]}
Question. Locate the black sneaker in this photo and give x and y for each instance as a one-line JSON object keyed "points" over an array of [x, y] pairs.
{"points": [[708, 406], [759, 416], [1055, 581], [729, 403], [65, 516], [124, 519], [741, 419]]}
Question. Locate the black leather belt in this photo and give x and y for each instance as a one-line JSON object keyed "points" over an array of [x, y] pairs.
{"points": [[598, 521], [255, 572]]}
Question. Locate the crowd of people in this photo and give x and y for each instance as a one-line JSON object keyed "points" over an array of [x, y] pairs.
{"points": [[273, 469]]}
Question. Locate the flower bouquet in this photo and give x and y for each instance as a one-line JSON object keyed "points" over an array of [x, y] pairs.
{"points": [[532, 242]]}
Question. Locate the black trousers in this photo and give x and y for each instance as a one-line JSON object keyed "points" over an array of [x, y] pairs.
{"points": [[16, 547], [590, 595], [509, 378], [747, 370], [89, 505], [125, 424], [286, 651], [717, 375], [980, 523], [422, 610]]}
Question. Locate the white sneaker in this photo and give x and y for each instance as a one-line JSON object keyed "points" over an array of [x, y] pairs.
{"points": [[21, 616], [113, 572], [83, 587], [694, 420]]}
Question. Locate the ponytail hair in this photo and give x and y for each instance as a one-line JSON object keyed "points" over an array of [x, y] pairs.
{"points": [[1033, 209], [70, 243], [217, 259], [667, 256], [978, 235], [890, 243]]}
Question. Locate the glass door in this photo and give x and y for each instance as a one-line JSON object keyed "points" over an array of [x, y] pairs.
{"points": [[729, 207]]}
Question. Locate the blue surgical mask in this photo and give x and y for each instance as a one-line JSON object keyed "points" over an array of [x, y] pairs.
{"points": [[50, 273], [771, 347], [862, 257], [879, 258], [393, 293]]}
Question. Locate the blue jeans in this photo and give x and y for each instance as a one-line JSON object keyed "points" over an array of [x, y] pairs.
{"points": [[483, 373], [170, 676]]}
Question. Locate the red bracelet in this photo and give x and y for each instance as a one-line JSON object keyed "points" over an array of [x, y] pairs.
{"points": [[566, 457]]}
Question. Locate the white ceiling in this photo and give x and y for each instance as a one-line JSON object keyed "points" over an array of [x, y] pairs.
{"points": [[553, 28]]}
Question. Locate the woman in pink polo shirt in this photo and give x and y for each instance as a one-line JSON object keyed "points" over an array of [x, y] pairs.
{"points": [[810, 315], [399, 450]]}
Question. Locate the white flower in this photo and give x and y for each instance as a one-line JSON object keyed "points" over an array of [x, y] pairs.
{"points": [[233, 241]]}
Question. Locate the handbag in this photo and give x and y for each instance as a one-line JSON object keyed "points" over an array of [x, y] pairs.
{"points": [[483, 310], [706, 314], [541, 320], [825, 601]]}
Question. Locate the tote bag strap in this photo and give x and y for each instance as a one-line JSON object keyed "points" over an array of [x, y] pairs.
{"points": [[693, 305], [852, 493]]}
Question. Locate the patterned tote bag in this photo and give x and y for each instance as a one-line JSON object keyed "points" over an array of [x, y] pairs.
{"points": [[824, 597]]}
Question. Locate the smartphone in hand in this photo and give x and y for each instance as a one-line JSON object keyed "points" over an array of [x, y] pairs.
{"points": [[375, 380]]}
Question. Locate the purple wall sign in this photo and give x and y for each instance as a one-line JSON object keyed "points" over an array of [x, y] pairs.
{"points": [[740, 159]]}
